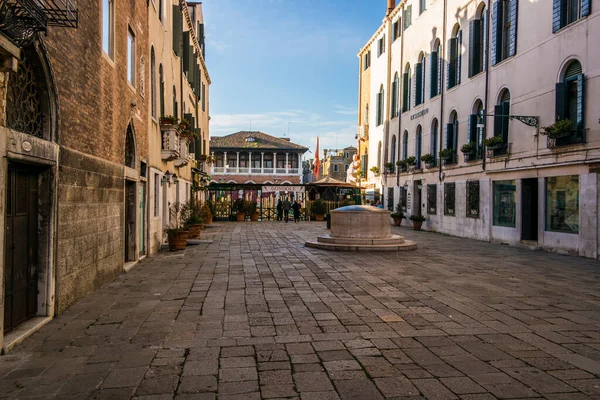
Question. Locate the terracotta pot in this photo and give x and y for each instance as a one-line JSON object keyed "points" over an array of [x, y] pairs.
{"points": [[319, 217], [177, 240], [417, 225], [254, 217], [208, 220], [397, 221], [194, 230], [240, 217]]}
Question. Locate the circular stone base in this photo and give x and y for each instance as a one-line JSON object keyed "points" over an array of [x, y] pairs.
{"points": [[391, 243]]}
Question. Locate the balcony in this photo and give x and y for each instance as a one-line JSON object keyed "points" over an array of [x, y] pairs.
{"points": [[450, 160], [499, 150], [184, 146], [256, 171], [170, 143], [575, 137]]}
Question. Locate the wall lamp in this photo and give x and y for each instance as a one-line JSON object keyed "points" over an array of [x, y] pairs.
{"points": [[167, 178]]}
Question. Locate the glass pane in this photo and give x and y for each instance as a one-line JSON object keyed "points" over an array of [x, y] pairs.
{"points": [[106, 26], [131, 58], [505, 203], [562, 204]]}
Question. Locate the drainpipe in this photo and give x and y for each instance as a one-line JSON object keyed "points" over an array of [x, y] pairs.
{"points": [[399, 140], [487, 81], [443, 46]]}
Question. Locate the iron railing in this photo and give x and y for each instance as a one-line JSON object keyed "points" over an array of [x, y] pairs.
{"points": [[576, 137]]}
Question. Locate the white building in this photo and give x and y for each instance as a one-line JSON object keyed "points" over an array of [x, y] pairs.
{"points": [[433, 65]]}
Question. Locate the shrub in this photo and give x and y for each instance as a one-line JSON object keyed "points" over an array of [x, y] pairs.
{"points": [[318, 207], [493, 141]]}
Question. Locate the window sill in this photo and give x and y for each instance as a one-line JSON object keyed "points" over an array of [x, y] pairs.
{"points": [[477, 75], [572, 24], [503, 61], [108, 58], [133, 89]]}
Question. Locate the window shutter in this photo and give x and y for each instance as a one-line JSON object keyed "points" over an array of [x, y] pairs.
{"points": [[586, 7], [452, 50], [496, 32], [472, 128], [505, 112], [404, 91], [186, 52], [514, 13], [418, 83], [450, 136], [433, 72], [485, 27], [459, 57], [177, 31], [474, 47], [191, 65], [561, 101], [498, 120], [381, 108], [556, 15], [580, 103], [162, 97]]}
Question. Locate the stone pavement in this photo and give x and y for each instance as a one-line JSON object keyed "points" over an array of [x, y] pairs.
{"points": [[257, 315]]}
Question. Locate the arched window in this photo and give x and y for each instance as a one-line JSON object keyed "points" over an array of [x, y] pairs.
{"points": [[433, 145], [435, 68], [570, 97], [379, 156], [161, 95], [504, 30], [476, 134], [175, 109], [405, 145], [478, 42], [501, 113], [395, 94], [454, 58], [153, 83], [393, 151], [130, 160], [406, 79], [160, 10], [452, 136], [420, 80], [380, 100], [418, 146]]}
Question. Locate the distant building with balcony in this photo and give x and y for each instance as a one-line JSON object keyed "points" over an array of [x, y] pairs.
{"points": [[256, 157], [337, 162]]}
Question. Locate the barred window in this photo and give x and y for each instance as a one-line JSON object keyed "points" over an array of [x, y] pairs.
{"points": [[473, 199], [432, 199], [449, 198]]}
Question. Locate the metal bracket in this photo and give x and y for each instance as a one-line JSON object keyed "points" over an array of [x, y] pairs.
{"points": [[529, 120]]}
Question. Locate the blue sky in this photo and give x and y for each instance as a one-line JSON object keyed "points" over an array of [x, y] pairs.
{"points": [[280, 61]]}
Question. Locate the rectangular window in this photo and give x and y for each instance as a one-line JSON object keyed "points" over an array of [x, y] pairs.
{"points": [[156, 193], [432, 199], [381, 46], [472, 199], [449, 198], [107, 27], [403, 198], [422, 6], [390, 199], [408, 17], [396, 30], [505, 203], [562, 204], [131, 57]]}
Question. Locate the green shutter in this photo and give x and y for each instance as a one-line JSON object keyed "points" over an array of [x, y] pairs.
{"points": [[450, 136], [433, 73], [162, 96], [191, 65], [452, 52], [505, 113], [474, 47], [561, 101], [472, 128], [405, 90], [419, 83], [177, 31], [580, 103], [586, 7], [557, 18], [458, 57], [186, 51], [512, 34], [497, 32], [498, 120]]}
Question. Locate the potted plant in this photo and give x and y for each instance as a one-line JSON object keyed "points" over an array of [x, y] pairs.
{"points": [[398, 216], [168, 120], [559, 129], [251, 210], [446, 154], [401, 165], [417, 221], [239, 209], [389, 167], [193, 219], [410, 161], [319, 209], [184, 125], [375, 170], [428, 159], [206, 212], [494, 142], [177, 236], [468, 148]]}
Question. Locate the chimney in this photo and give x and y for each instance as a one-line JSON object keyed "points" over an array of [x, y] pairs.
{"points": [[391, 6]]}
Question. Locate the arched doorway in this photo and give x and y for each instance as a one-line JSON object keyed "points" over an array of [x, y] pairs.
{"points": [[132, 191]]}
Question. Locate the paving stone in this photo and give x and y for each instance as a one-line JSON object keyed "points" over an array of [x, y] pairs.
{"points": [[275, 391], [198, 384], [538, 380], [320, 396], [396, 387], [238, 374], [158, 385], [312, 382], [237, 362], [273, 378], [462, 385], [433, 389], [124, 377], [357, 390], [231, 388]]}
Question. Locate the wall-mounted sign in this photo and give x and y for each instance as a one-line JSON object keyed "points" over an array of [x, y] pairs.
{"points": [[295, 189], [420, 113]]}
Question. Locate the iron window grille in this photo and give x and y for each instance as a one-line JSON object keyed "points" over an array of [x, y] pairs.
{"points": [[432, 199], [449, 198], [472, 199], [403, 199]]}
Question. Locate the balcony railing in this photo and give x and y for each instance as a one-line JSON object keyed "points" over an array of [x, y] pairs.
{"points": [[576, 137], [268, 170], [170, 144], [293, 171], [244, 170], [219, 170], [499, 151], [451, 160], [256, 171]]}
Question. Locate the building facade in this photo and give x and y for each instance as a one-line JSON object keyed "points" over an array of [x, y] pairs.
{"points": [[464, 108], [336, 163], [76, 140], [256, 158]]}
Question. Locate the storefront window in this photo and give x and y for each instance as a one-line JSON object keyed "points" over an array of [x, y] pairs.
{"points": [[562, 204], [505, 203]]}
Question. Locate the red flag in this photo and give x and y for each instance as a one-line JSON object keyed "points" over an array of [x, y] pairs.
{"points": [[317, 161]]}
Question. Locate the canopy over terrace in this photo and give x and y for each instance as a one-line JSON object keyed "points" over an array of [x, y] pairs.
{"points": [[333, 190]]}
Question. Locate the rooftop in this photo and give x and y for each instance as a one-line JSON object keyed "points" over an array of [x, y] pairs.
{"points": [[253, 140]]}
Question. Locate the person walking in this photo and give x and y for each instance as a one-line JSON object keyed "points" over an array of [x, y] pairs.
{"points": [[279, 210], [296, 207], [286, 209]]}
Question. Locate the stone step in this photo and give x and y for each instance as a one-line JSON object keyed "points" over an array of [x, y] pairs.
{"points": [[406, 246]]}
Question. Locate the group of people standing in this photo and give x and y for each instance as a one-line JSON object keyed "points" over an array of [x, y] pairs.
{"points": [[284, 207]]}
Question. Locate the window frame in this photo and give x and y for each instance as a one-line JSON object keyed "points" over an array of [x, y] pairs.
{"points": [[131, 57], [108, 22]]}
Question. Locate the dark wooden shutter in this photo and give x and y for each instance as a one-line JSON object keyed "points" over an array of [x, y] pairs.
{"points": [[433, 72], [580, 103], [452, 50], [177, 31], [485, 27], [561, 101], [498, 120], [186, 52], [161, 96], [458, 57], [512, 35], [419, 83], [505, 112], [473, 128], [586, 8], [450, 136], [557, 20], [404, 91], [474, 47], [497, 32], [191, 65]]}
